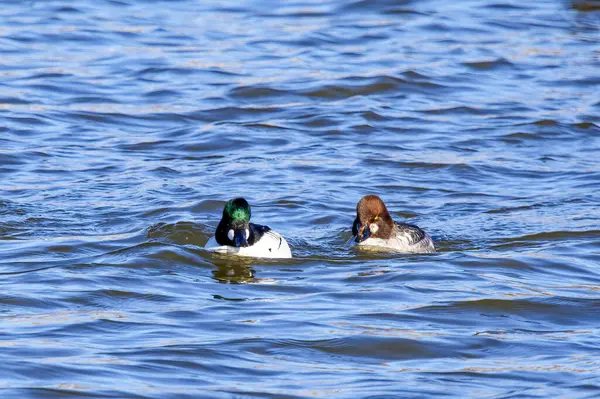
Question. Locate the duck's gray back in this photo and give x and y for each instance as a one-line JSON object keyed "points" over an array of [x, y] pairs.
{"points": [[415, 237]]}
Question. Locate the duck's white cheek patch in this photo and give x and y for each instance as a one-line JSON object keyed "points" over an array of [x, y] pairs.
{"points": [[247, 234], [373, 227], [230, 235]]}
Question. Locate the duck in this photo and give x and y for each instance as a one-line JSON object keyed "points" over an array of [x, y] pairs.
{"points": [[235, 235], [375, 228]]}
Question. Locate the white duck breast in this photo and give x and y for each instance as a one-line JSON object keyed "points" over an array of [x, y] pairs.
{"points": [[270, 245]]}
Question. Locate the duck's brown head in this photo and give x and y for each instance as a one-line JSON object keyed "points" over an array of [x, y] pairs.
{"points": [[372, 219]]}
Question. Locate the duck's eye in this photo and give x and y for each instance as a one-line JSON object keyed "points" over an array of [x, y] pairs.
{"points": [[230, 235], [247, 234], [373, 227]]}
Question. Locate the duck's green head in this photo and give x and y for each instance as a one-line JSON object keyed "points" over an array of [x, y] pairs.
{"points": [[236, 219], [237, 211]]}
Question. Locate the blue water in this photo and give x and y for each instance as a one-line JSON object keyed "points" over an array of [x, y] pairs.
{"points": [[126, 126]]}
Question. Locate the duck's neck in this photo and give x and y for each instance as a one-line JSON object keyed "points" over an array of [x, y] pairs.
{"points": [[386, 227]]}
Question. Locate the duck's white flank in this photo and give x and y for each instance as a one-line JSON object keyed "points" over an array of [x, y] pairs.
{"points": [[270, 245], [402, 241]]}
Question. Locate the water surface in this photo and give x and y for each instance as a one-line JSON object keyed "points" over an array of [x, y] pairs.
{"points": [[126, 125]]}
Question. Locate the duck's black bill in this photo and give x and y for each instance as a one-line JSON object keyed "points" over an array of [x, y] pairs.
{"points": [[363, 234], [239, 238]]}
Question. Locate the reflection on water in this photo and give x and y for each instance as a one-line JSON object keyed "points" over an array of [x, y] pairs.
{"points": [[229, 272], [127, 125]]}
